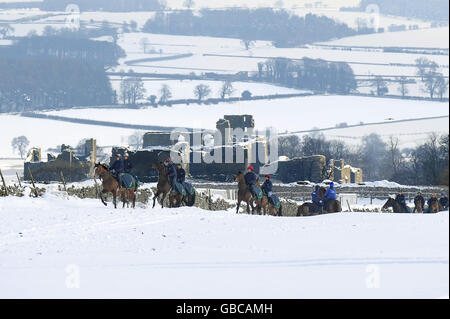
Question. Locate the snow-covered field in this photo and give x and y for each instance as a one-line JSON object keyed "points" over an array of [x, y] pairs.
{"points": [[295, 114], [57, 247], [425, 38]]}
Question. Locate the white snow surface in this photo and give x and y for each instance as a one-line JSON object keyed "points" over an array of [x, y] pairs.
{"points": [[61, 247]]}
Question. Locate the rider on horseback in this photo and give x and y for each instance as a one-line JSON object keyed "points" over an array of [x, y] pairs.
{"points": [[181, 174], [171, 172], [128, 167], [400, 199], [443, 201], [117, 168], [330, 194], [250, 180], [316, 200], [419, 199]]}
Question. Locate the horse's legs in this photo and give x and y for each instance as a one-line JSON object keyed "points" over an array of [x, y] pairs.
{"points": [[238, 206], [114, 192], [155, 197], [134, 199], [101, 197], [162, 199]]}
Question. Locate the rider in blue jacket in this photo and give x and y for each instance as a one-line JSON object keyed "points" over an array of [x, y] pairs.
{"points": [[171, 172], [251, 179], [330, 194]]}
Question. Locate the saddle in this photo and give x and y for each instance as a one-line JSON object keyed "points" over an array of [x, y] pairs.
{"points": [[128, 181], [179, 188], [275, 201], [256, 191], [189, 188]]}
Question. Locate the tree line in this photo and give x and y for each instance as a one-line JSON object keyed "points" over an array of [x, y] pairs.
{"points": [[427, 164], [313, 74], [56, 71], [278, 26]]}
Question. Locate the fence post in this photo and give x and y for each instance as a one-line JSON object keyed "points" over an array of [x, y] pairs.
{"points": [[63, 181], [32, 182], [18, 178], [4, 184]]}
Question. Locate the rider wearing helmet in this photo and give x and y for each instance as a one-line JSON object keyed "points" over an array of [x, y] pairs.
{"points": [[171, 172], [251, 179], [330, 194]]}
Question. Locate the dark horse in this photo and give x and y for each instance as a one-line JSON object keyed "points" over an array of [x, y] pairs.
{"points": [[418, 206], [245, 195], [311, 209], [163, 188], [110, 184], [392, 203]]}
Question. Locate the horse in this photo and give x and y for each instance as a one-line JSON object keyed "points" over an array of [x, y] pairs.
{"points": [[245, 195], [435, 206], [311, 209], [331, 205], [109, 183], [163, 187], [392, 203], [267, 206], [418, 206], [308, 209], [128, 194]]}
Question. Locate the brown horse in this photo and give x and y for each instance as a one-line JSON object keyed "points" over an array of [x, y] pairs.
{"points": [[308, 209], [268, 207], [109, 183], [434, 206], [418, 206], [163, 187], [245, 195], [332, 205], [392, 203], [128, 195], [311, 209]]}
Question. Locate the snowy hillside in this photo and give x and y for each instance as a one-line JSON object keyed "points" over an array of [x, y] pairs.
{"points": [[65, 247]]}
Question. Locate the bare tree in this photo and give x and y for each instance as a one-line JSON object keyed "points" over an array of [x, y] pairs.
{"points": [[226, 89], [20, 145], [380, 85], [433, 82], [425, 66], [394, 153], [189, 4], [165, 93], [403, 82], [442, 87], [201, 91], [131, 90], [247, 43]]}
